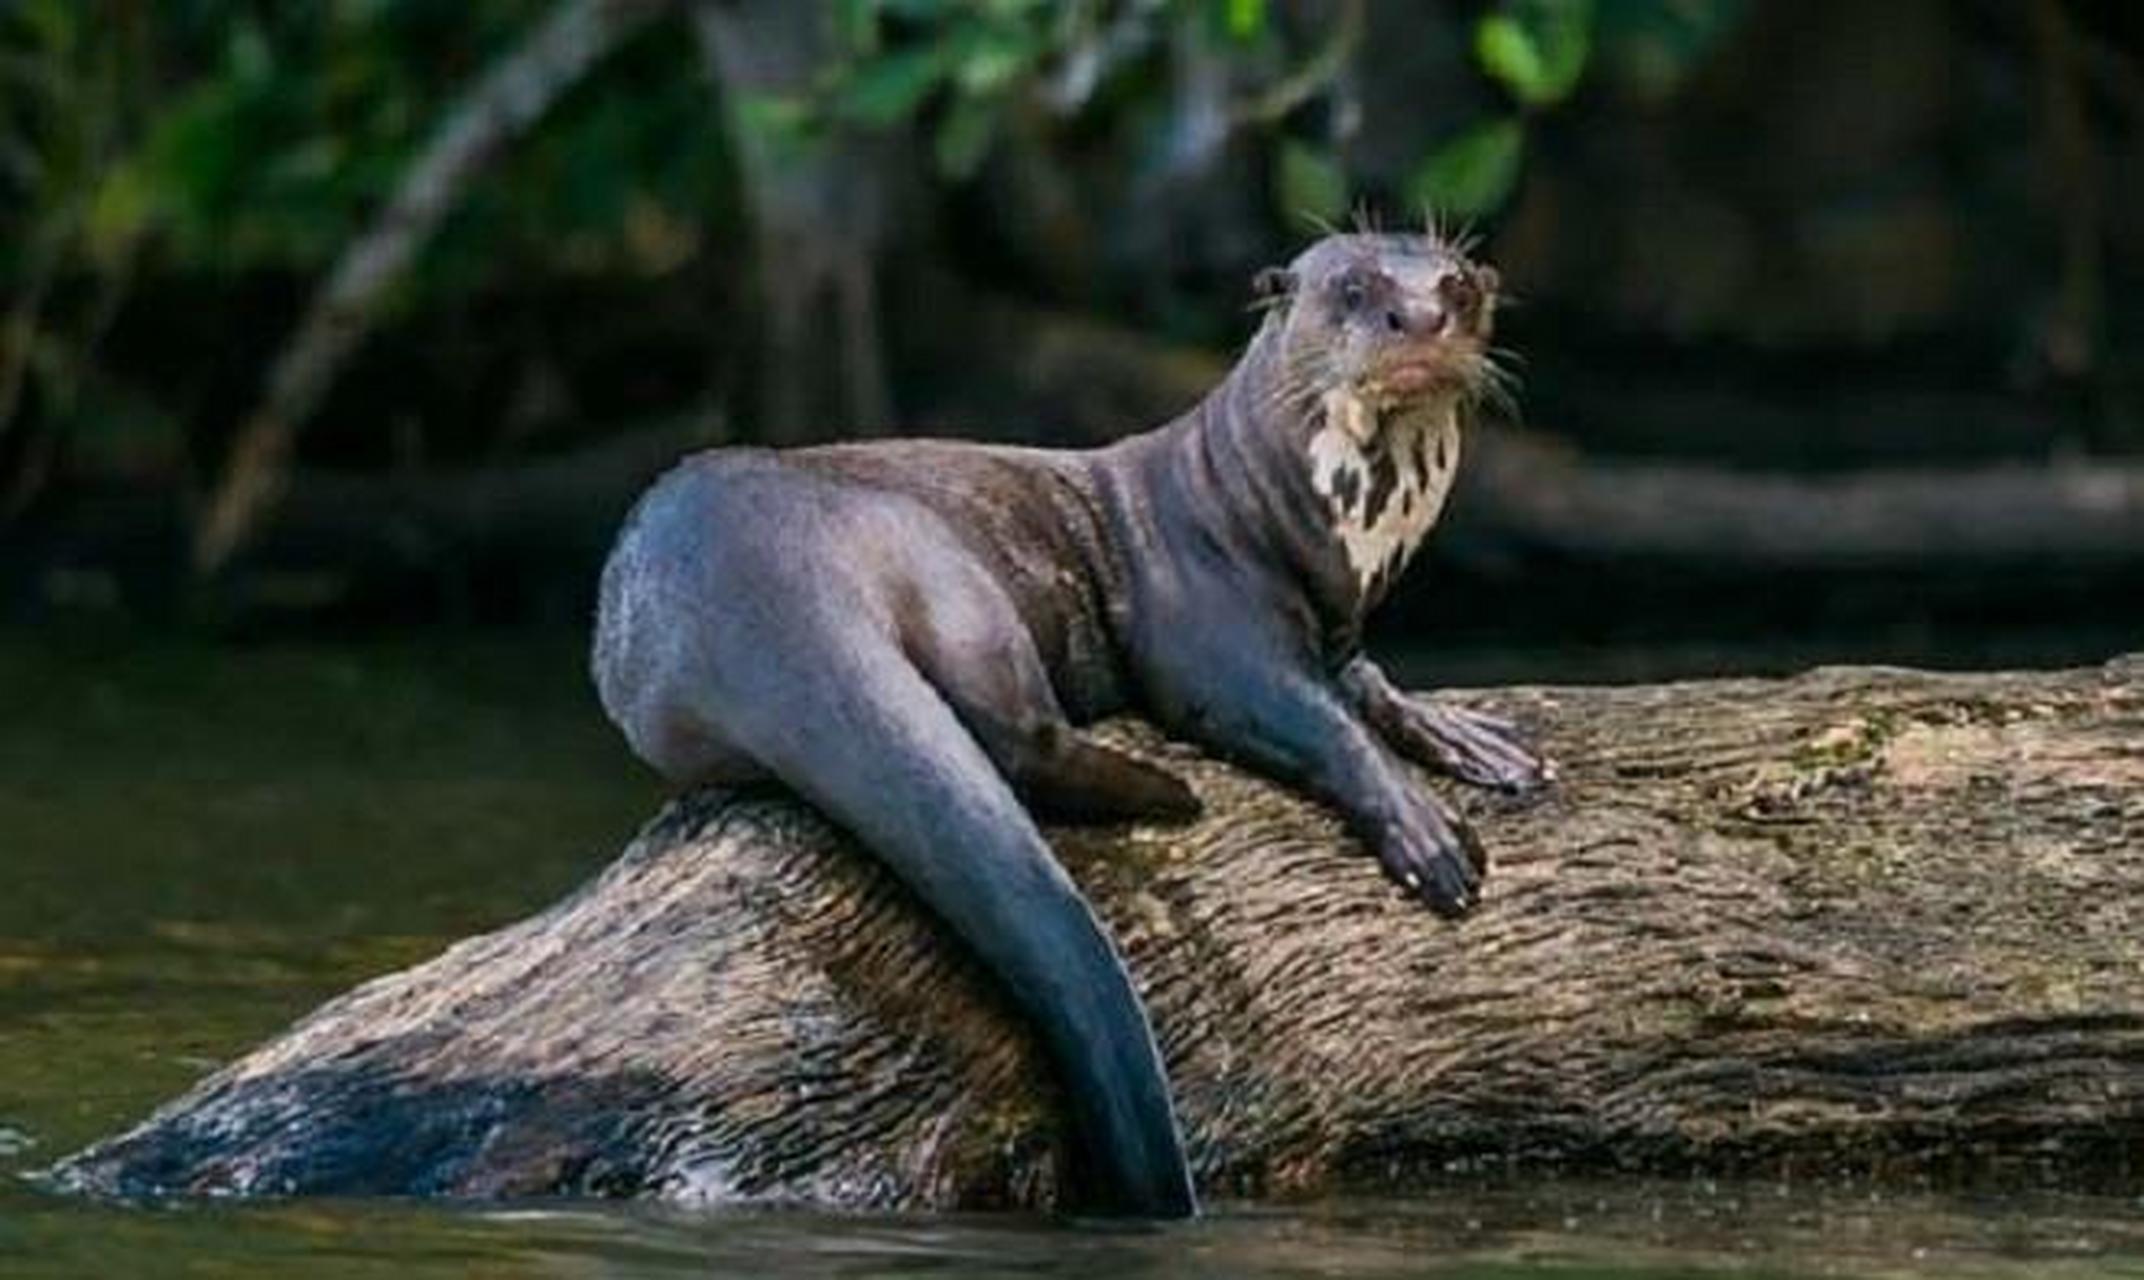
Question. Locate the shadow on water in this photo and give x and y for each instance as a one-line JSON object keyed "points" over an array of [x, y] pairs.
{"points": [[200, 844]]}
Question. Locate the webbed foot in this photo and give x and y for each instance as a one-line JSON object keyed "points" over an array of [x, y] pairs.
{"points": [[1475, 747]]}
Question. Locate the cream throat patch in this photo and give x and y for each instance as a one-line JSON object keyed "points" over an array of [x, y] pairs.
{"points": [[1384, 479]]}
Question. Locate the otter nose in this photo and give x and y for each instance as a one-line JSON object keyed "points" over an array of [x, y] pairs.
{"points": [[1431, 319]]}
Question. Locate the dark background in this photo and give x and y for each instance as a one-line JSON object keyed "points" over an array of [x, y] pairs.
{"points": [[1863, 257]]}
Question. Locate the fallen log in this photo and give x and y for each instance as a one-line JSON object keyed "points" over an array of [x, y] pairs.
{"points": [[1530, 499], [1861, 920]]}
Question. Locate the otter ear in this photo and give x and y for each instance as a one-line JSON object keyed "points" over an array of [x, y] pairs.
{"points": [[1272, 283]]}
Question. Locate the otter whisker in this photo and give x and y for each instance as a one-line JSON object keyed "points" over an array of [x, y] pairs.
{"points": [[1298, 396], [1433, 227], [1501, 358], [1283, 388], [1464, 239], [1497, 397], [1318, 220], [1496, 387], [1295, 395], [1460, 241]]}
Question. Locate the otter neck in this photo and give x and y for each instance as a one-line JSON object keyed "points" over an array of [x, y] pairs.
{"points": [[1333, 493]]}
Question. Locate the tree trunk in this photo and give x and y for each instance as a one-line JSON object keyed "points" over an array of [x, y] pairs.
{"points": [[822, 214], [1862, 920]]}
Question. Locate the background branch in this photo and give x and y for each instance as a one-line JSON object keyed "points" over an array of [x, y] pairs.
{"points": [[511, 96]]}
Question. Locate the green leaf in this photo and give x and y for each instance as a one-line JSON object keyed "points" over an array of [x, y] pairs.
{"points": [[1309, 182], [888, 89], [1507, 53], [1246, 18], [193, 161], [987, 58], [965, 135], [1474, 173], [1536, 49], [119, 211], [249, 57], [784, 125]]}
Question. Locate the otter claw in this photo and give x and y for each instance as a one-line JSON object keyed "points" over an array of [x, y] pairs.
{"points": [[1454, 901], [1435, 858]]}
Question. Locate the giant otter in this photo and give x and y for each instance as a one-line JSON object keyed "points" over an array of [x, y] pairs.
{"points": [[909, 633]]}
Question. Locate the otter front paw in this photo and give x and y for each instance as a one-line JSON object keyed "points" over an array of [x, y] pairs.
{"points": [[1433, 854], [1472, 746]]}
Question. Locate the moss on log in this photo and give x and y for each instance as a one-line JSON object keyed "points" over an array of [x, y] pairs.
{"points": [[1867, 920]]}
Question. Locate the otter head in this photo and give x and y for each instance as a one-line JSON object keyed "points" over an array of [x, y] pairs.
{"points": [[1388, 322], [1376, 342]]}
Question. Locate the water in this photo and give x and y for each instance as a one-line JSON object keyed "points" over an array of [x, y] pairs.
{"points": [[200, 845], [1556, 1230]]}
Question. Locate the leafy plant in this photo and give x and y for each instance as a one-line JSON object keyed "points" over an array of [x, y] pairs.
{"points": [[1475, 172], [1536, 51], [69, 100], [1539, 53]]}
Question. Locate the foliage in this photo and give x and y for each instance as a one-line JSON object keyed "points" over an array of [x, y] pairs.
{"points": [[1538, 52], [960, 64], [1536, 49], [1475, 172], [965, 58], [230, 139], [239, 137], [260, 136], [69, 95]]}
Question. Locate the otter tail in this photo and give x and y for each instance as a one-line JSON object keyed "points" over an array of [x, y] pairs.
{"points": [[879, 751]]}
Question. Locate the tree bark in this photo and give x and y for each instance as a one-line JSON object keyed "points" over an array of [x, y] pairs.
{"points": [[1862, 920], [822, 214]]}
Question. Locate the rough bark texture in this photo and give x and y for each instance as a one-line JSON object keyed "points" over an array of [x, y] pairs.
{"points": [[1865, 920]]}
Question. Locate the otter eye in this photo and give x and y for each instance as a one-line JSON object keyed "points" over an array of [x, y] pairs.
{"points": [[1353, 294]]}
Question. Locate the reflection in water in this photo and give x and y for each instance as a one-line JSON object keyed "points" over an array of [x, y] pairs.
{"points": [[199, 845], [1561, 1229]]}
